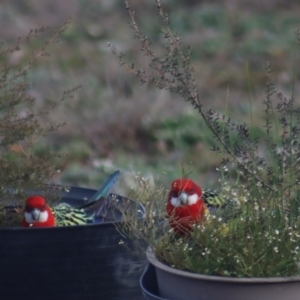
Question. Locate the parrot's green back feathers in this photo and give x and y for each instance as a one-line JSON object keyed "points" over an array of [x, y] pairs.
{"points": [[219, 205], [66, 215], [214, 199]]}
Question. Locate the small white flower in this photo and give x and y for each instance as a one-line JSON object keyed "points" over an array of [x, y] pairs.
{"points": [[276, 231], [121, 242], [275, 249], [207, 251]]}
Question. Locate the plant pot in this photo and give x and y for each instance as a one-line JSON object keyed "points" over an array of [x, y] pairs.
{"points": [[180, 285], [148, 284], [70, 263]]}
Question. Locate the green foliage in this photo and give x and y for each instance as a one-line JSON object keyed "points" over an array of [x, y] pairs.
{"points": [[257, 242], [183, 132], [219, 55], [187, 130], [262, 239], [21, 128]]}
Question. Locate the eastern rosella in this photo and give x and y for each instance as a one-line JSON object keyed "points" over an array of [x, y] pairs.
{"points": [[188, 204], [185, 205], [38, 214]]}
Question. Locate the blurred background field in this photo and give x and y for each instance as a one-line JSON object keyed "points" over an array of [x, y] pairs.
{"points": [[114, 122]]}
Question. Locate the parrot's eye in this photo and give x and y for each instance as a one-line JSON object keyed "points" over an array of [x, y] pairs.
{"points": [[174, 194]]}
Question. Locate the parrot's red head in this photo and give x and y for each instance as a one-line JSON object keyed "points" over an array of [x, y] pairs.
{"points": [[185, 205], [37, 213]]}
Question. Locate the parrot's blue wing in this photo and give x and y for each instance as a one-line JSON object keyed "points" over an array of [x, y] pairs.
{"points": [[104, 190]]}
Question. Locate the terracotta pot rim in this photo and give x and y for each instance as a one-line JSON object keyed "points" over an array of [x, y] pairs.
{"points": [[153, 260]]}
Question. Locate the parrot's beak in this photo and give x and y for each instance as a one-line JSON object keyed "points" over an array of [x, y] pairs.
{"points": [[183, 198], [35, 214]]}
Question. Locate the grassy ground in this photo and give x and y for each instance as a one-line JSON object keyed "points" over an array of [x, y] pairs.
{"points": [[115, 123]]}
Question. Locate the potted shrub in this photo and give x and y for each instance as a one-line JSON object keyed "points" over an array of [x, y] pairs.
{"points": [[71, 262], [248, 247]]}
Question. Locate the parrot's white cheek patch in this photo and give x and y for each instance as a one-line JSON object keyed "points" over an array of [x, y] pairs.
{"points": [[28, 217], [43, 217], [193, 199], [175, 202]]}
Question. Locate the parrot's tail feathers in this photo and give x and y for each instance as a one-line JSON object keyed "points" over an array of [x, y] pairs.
{"points": [[104, 190]]}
